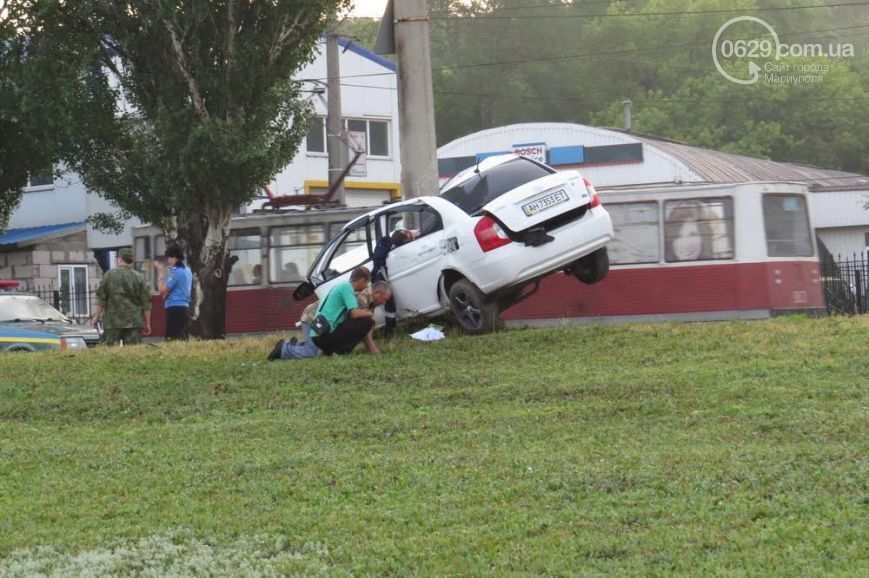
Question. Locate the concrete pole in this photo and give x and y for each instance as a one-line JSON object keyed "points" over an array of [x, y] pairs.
{"points": [[334, 120], [626, 107], [419, 174]]}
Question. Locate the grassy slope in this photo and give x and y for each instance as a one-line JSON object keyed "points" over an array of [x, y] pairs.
{"points": [[731, 448]]}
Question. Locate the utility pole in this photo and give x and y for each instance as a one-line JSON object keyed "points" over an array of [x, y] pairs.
{"points": [[334, 120], [419, 174]]}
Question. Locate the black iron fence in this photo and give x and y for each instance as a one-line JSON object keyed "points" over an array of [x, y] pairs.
{"points": [[846, 284], [77, 305]]}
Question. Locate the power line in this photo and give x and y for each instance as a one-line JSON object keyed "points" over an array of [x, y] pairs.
{"points": [[592, 54], [662, 99], [534, 6], [641, 14], [628, 51]]}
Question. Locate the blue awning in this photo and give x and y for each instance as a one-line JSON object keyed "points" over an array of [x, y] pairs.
{"points": [[32, 235]]}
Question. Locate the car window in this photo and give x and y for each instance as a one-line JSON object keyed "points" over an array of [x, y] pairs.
{"points": [[413, 223], [27, 307], [350, 250], [480, 189]]}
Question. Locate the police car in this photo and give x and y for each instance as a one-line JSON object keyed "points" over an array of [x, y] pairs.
{"points": [[27, 323]]}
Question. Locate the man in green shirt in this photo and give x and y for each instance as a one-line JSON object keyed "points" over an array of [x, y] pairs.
{"points": [[349, 323], [123, 303]]}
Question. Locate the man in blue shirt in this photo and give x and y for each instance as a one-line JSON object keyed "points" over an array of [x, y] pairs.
{"points": [[175, 290], [349, 322]]}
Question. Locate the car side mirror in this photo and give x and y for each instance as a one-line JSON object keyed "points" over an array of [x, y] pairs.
{"points": [[303, 291]]}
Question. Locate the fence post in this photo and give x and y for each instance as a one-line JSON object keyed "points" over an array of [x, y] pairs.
{"points": [[858, 289]]}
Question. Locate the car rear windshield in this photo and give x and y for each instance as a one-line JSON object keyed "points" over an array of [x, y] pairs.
{"points": [[481, 188]]}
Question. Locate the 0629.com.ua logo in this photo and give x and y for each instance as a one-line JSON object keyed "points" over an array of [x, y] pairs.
{"points": [[746, 49]]}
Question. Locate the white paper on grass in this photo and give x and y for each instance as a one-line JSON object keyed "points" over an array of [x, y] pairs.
{"points": [[430, 333]]}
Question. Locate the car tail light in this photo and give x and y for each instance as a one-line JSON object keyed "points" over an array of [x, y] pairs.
{"points": [[489, 234], [595, 200]]}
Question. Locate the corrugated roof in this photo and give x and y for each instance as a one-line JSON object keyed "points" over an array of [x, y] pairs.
{"points": [[721, 167], [31, 235]]}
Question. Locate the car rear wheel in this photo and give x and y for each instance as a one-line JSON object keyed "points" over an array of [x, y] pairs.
{"points": [[471, 309], [593, 267]]}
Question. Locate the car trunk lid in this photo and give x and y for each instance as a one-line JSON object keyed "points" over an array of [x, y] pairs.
{"points": [[539, 201]]}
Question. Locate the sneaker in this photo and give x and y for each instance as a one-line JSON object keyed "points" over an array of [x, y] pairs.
{"points": [[276, 350]]}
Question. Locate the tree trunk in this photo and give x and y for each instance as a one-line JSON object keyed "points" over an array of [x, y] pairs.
{"points": [[206, 239]]}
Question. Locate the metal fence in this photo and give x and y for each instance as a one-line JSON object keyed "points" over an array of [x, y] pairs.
{"points": [[846, 284], [78, 306]]}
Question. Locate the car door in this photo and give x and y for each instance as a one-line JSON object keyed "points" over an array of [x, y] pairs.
{"points": [[350, 249], [415, 267]]}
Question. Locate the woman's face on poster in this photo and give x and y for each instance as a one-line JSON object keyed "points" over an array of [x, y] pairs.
{"points": [[688, 246]]}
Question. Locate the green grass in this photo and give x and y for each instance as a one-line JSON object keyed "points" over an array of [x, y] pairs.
{"points": [[705, 449]]}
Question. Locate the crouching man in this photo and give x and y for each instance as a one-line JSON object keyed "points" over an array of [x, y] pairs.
{"points": [[349, 325]]}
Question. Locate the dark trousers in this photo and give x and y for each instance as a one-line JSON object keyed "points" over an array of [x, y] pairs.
{"points": [[345, 337], [176, 323]]}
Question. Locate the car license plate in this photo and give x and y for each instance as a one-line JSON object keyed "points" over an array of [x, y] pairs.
{"points": [[544, 203]]}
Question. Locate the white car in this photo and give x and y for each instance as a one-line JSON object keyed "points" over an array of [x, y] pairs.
{"points": [[494, 231]]}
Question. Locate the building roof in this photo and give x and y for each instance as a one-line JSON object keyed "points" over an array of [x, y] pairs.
{"points": [[348, 44], [722, 167], [662, 160], [31, 235]]}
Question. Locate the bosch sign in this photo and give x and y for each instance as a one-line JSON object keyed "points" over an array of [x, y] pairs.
{"points": [[535, 151]]}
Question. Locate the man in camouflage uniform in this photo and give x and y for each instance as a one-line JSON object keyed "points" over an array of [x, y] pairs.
{"points": [[124, 303]]}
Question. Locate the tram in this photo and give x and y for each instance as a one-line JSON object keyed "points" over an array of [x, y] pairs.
{"points": [[681, 252]]}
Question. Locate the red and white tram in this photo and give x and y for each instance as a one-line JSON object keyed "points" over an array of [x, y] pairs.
{"points": [[681, 252]]}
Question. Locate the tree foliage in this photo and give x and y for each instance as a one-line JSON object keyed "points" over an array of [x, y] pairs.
{"points": [[183, 109], [498, 62], [23, 149]]}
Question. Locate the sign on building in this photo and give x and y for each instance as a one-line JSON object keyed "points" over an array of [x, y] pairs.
{"points": [[357, 144], [535, 151]]}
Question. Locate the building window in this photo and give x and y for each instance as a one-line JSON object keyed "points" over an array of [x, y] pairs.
{"points": [[40, 179], [376, 135], [292, 250], [315, 141], [786, 220], [248, 270], [73, 284], [698, 229], [144, 260], [636, 232]]}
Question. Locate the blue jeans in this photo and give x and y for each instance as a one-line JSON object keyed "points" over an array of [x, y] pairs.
{"points": [[302, 349]]}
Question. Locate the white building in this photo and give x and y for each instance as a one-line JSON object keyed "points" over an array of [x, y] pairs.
{"points": [[612, 158]]}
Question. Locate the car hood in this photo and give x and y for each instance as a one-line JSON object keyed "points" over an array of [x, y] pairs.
{"points": [[50, 328], [510, 208]]}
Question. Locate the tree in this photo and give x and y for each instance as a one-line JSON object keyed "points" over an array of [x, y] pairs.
{"points": [[203, 111], [24, 149]]}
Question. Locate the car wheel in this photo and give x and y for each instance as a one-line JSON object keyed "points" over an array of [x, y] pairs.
{"points": [[471, 309], [593, 267]]}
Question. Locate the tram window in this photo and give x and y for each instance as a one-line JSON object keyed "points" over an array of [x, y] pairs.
{"points": [[698, 229], [248, 269], [786, 221], [292, 250], [636, 227]]}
